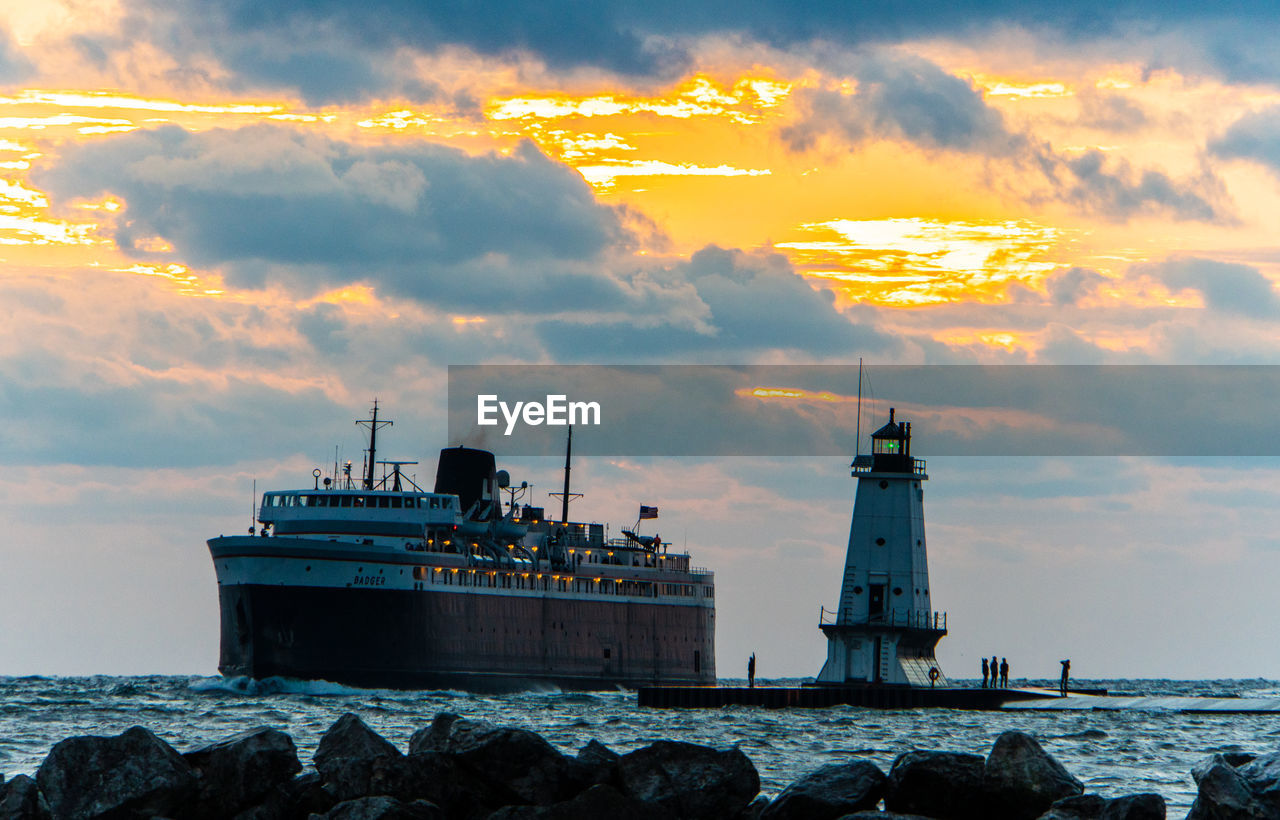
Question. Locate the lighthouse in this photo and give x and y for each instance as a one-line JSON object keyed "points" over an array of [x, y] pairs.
{"points": [[885, 630]]}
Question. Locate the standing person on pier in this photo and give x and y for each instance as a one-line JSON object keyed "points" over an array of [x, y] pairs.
{"points": [[984, 672], [1066, 673], [751, 671], [1004, 673], [995, 672]]}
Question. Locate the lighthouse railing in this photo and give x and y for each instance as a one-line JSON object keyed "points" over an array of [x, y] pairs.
{"points": [[909, 618]]}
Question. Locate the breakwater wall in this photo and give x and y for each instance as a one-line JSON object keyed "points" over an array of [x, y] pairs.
{"points": [[474, 770]]}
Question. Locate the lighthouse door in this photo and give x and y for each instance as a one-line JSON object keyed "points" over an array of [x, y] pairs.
{"points": [[875, 603]]}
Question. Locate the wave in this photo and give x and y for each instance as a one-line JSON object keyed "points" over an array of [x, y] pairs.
{"points": [[276, 686]]}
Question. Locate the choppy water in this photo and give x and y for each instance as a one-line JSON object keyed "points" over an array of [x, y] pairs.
{"points": [[1112, 752]]}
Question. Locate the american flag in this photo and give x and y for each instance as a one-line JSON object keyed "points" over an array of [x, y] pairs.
{"points": [[648, 512]]}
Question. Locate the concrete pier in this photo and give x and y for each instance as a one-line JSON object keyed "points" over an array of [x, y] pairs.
{"points": [[817, 697]]}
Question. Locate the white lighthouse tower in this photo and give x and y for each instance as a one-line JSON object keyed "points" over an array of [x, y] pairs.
{"points": [[885, 629]]}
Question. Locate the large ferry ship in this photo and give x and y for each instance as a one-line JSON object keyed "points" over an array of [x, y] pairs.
{"points": [[375, 582]]}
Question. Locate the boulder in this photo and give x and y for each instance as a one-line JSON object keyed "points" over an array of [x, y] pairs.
{"points": [[599, 763], [1223, 794], [521, 760], [1022, 780], [755, 808], [239, 772], [1134, 807], [20, 799], [133, 773], [596, 803], [944, 785], [1262, 775], [1076, 807], [382, 807], [689, 780], [829, 792], [453, 785], [303, 796], [354, 761]]}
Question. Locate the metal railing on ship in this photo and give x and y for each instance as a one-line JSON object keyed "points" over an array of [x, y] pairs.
{"points": [[909, 618]]}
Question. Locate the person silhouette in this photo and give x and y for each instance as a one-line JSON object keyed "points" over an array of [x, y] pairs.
{"points": [[1066, 673], [984, 673], [995, 672], [751, 671], [1004, 673]]}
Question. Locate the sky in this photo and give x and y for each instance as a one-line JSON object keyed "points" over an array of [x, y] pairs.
{"points": [[226, 226]]}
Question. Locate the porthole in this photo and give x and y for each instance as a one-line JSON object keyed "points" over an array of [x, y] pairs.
{"points": [[897, 590], [884, 485], [879, 542], [857, 590], [918, 542]]}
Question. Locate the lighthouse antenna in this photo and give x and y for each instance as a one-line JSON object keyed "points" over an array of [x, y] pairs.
{"points": [[857, 440]]}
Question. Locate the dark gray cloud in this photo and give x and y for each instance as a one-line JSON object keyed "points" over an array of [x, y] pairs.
{"points": [[1253, 137], [276, 42], [753, 302], [1225, 286], [423, 220], [903, 98], [1115, 191]]}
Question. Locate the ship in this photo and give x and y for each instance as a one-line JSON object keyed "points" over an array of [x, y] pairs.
{"points": [[371, 581]]}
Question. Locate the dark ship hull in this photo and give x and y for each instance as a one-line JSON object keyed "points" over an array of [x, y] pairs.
{"points": [[445, 637]]}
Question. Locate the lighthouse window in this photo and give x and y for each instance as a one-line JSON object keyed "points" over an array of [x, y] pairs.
{"points": [[897, 590], [884, 485], [857, 590], [879, 542]]}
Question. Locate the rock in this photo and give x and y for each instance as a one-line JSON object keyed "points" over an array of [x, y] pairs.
{"points": [[754, 809], [20, 799], [829, 792], [301, 797], [883, 815], [1238, 759], [945, 785], [458, 789], [690, 780], [354, 761], [134, 773], [1134, 807], [239, 772], [1223, 794], [598, 802], [521, 760], [383, 807], [599, 763], [1022, 780], [1262, 776], [1076, 807]]}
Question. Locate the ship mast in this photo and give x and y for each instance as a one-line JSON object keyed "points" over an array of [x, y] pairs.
{"points": [[373, 425], [566, 496]]}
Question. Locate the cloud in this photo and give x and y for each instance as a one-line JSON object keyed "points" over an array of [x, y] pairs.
{"points": [[425, 221], [1067, 286], [1112, 189], [908, 99], [1225, 286], [1254, 137], [752, 303]]}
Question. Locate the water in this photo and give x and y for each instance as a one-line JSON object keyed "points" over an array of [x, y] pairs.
{"points": [[1113, 753]]}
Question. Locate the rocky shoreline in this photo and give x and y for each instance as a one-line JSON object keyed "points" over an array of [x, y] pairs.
{"points": [[474, 770]]}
